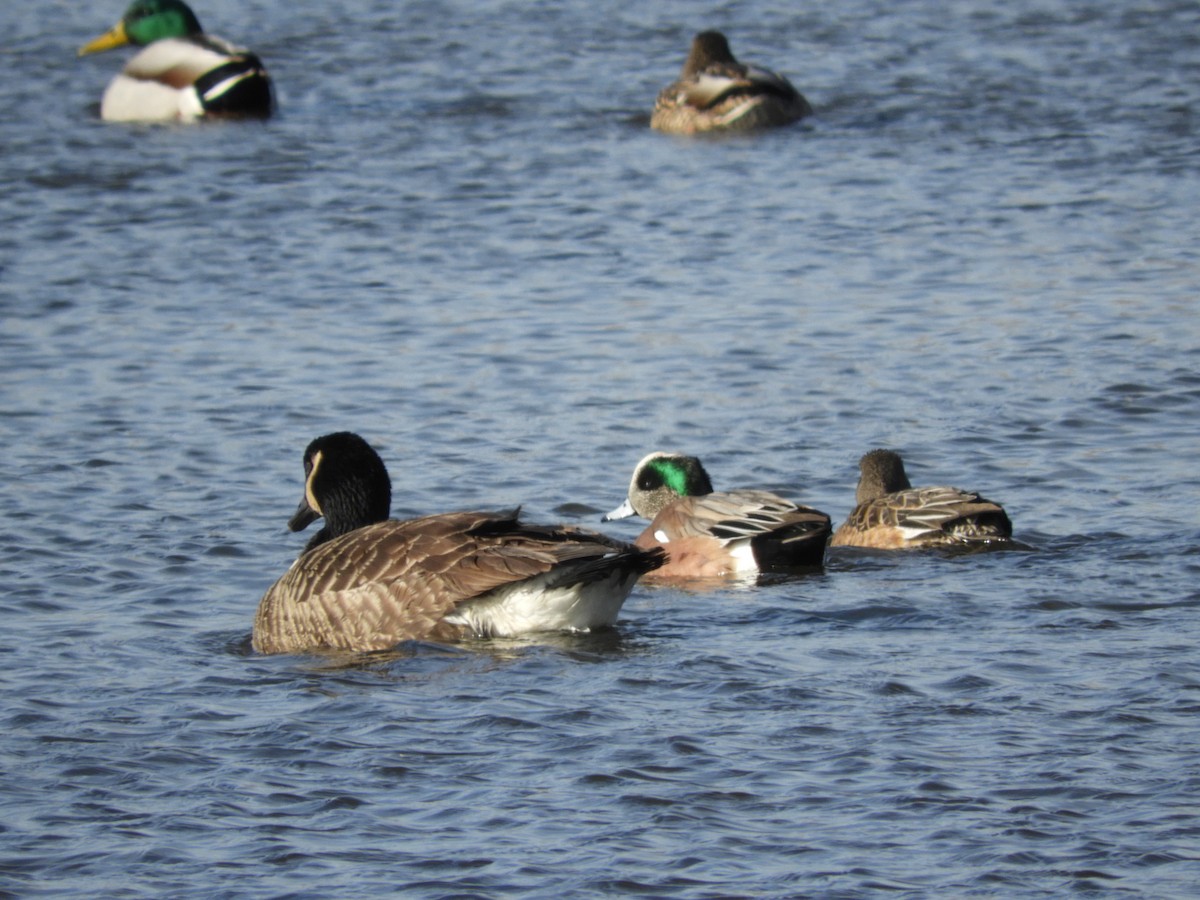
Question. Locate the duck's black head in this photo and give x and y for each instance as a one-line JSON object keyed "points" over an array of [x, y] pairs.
{"points": [[346, 483]]}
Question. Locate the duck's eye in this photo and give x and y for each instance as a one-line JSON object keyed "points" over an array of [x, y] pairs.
{"points": [[648, 481]]}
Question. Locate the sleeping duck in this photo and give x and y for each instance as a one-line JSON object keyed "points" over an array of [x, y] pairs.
{"points": [[891, 514], [181, 73], [715, 92]]}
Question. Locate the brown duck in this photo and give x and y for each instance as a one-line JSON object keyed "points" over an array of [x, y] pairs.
{"points": [[715, 92], [892, 514]]}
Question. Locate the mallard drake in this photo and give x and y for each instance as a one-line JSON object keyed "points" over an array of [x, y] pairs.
{"points": [[707, 533], [715, 92], [181, 73], [367, 582], [891, 513]]}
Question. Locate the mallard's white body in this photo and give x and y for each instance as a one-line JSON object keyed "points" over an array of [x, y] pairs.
{"points": [[166, 80]]}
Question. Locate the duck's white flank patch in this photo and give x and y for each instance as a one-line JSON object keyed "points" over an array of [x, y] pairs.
{"points": [[137, 100], [742, 555], [911, 533], [538, 605]]}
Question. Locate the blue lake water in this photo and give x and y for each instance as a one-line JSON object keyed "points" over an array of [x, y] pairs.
{"points": [[461, 239]]}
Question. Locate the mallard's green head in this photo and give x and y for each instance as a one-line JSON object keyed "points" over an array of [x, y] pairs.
{"points": [[145, 22]]}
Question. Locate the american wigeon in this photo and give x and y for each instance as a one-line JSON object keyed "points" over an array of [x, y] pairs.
{"points": [[707, 533], [367, 582], [181, 74], [891, 513], [715, 92]]}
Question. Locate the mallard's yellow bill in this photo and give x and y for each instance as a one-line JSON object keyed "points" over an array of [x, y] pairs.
{"points": [[114, 38]]}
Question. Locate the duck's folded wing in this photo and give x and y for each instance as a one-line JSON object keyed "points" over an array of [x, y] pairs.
{"points": [[396, 581], [766, 81], [708, 89], [712, 86], [730, 515], [946, 510], [177, 62]]}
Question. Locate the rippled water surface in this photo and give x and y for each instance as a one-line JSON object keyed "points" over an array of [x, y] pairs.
{"points": [[461, 239]]}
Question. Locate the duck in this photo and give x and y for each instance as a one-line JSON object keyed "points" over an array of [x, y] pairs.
{"points": [[715, 92], [717, 534], [367, 582], [891, 514], [181, 73]]}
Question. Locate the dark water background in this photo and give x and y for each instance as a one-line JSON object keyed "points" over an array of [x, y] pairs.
{"points": [[461, 239]]}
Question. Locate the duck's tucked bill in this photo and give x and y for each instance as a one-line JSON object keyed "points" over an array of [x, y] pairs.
{"points": [[367, 582]]}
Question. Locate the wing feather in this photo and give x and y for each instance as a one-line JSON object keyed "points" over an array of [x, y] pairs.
{"points": [[933, 515], [396, 581]]}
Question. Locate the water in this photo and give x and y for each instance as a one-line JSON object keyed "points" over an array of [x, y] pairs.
{"points": [[461, 239]]}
